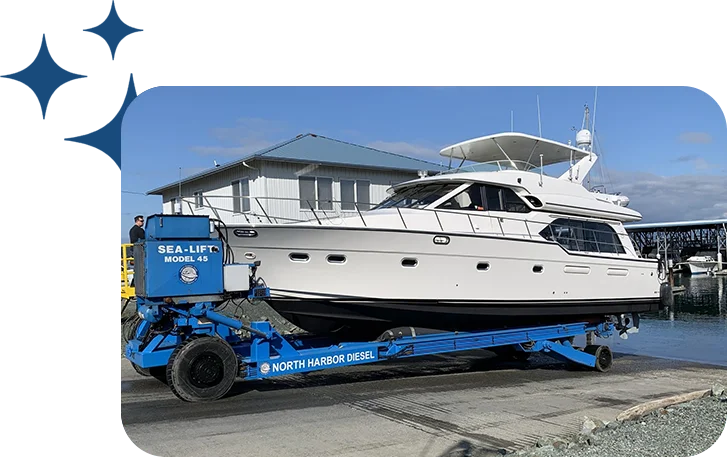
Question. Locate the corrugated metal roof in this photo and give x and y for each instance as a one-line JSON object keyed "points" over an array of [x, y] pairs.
{"points": [[658, 225], [312, 148]]}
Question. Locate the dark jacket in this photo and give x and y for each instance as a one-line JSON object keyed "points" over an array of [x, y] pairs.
{"points": [[136, 234]]}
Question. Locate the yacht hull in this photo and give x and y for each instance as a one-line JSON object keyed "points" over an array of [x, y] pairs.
{"points": [[368, 280]]}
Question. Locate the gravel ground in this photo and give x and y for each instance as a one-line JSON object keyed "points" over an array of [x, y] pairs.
{"points": [[681, 430]]}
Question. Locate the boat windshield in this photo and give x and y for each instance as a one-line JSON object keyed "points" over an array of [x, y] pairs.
{"points": [[418, 196]]}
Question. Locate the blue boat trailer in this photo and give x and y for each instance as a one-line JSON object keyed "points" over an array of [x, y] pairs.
{"points": [[180, 337]]}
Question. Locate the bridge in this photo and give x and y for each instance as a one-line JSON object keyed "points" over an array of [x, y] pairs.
{"points": [[678, 241]]}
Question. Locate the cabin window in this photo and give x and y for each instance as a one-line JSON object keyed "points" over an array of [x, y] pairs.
{"points": [[241, 189], [478, 197], [494, 203], [418, 196], [504, 199], [513, 203], [469, 199], [583, 236]]}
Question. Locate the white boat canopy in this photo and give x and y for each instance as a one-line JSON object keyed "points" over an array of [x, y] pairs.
{"points": [[514, 148]]}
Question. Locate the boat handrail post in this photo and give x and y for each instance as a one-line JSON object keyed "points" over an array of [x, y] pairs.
{"points": [[314, 212], [263, 210], [360, 215], [469, 218], [214, 210], [541, 170], [401, 216], [439, 221]]}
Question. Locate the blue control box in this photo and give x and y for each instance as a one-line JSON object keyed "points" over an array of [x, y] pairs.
{"points": [[177, 268], [164, 227]]}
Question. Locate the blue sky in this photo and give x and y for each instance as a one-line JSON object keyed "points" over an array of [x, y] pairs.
{"points": [[664, 147]]}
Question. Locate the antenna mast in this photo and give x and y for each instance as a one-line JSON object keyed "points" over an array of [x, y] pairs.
{"points": [[540, 130]]}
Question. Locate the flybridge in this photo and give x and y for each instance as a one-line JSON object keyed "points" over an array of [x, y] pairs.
{"points": [[524, 152]]}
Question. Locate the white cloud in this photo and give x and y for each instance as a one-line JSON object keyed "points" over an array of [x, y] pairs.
{"points": [[700, 163], [672, 198], [695, 137]]}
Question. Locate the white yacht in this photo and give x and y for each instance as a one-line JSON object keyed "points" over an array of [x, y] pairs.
{"points": [[464, 249], [701, 265]]}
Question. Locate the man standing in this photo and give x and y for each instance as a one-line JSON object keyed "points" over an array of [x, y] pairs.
{"points": [[137, 232]]}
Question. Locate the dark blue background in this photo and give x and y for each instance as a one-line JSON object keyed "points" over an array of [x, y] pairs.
{"points": [[70, 71]]}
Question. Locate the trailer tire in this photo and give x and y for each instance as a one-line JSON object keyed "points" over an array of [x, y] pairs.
{"points": [[160, 373], [603, 355], [203, 368], [141, 371]]}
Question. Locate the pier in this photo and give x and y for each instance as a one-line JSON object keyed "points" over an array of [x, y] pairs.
{"points": [[677, 241]]}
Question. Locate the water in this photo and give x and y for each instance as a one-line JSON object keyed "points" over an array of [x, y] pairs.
{"points": [[695, 329]]}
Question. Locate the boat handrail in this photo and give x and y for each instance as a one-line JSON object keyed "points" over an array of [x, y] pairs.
{"points": [[499, 165], [532, 228]]}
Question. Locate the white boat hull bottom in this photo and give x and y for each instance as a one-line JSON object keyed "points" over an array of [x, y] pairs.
{"points": [[371, 279]]}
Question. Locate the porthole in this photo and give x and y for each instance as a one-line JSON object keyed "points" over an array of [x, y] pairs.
{"points": [[250, 255], [299, 257], [483, 266], [538, 269], [336, 258], [408, 262], [441, 239], [245, 233]]}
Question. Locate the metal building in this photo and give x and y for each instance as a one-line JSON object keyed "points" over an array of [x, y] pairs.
{"points": [[288, 180]]}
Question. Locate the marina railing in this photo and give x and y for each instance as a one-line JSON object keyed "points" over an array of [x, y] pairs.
{"points": [[281, 210], [127, 263]]}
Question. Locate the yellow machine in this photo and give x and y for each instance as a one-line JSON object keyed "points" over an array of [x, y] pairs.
{"points": [[127, 271]]}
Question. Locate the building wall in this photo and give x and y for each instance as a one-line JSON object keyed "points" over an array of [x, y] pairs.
{"points": [[278, 180]]}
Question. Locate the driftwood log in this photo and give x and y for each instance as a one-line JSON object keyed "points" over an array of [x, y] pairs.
{"points": [[643, 409]]}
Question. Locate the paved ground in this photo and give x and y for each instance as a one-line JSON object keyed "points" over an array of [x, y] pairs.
{"points": [[421, 407]]}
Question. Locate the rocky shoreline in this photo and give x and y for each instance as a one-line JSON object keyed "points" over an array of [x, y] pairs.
{"points": [[679, 430]]}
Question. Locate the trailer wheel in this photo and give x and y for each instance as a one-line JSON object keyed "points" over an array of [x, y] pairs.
{"points": [[203, 368], [160, 373], [603, 355], [141, 371]]}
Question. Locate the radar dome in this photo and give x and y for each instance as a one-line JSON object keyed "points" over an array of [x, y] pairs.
{"points": [[583, 138]]}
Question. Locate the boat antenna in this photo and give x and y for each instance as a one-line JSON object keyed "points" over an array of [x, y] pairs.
{"points": [[595, 100], [593, 129], [540, 130]]}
